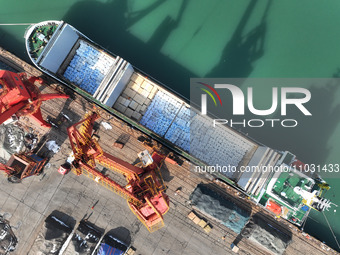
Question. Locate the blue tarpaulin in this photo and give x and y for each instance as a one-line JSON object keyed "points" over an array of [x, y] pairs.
{"points": [[106, 249]]}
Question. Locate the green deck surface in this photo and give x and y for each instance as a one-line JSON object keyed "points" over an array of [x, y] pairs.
{"points": [[38, 45], [284, 188]]}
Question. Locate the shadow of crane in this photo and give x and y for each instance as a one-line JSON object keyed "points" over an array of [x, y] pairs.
{"points": [[243, 50]]}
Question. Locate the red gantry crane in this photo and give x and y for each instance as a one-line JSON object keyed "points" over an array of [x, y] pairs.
{"points": [[145, 189], [19, 96]]}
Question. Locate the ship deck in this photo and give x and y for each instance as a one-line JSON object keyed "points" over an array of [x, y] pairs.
{"points": [[26, 205], [36, 40], [281, 190]]}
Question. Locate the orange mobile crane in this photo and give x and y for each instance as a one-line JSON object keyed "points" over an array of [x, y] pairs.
{"points": [[145, 189]]}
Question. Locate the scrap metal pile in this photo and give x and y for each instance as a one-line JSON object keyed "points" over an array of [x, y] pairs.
{"points": [[8, 241]]}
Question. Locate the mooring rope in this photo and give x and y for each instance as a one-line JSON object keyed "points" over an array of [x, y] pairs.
{"points": [[336, 240], [16, 24]]}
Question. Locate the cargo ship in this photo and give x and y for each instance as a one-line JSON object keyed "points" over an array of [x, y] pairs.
{"points": [[67, 55]]}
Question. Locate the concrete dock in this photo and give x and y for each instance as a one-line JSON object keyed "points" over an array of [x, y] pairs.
{"points": [[26, 205]]}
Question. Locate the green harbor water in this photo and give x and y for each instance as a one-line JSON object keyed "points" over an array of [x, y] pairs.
{"points": [[174, 41]]}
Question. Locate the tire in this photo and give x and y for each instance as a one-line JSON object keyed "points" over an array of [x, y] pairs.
{"points": [[13, 179]]}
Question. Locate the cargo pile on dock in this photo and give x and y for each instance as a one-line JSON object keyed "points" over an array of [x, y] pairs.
{"points": [[215, 205], [51, 237], [12, 140], [259, 231]]}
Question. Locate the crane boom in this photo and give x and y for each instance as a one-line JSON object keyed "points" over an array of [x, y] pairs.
{"points": [[120, 166], [106, 181], [19, 96]]}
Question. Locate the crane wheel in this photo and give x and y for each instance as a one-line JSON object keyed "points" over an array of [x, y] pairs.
{"points": [[13, 179]]}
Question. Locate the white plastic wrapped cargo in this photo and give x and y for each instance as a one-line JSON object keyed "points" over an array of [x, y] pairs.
{"points": [[179, 131], [98, 73], [194, 133], [161, 113], [217, 146], [88, 67]]}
